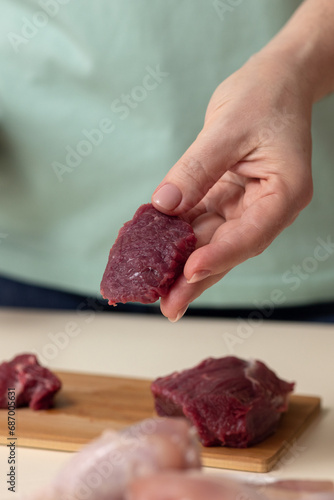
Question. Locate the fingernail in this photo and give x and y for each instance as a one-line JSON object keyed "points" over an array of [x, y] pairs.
{"points": [[179, 314], [199, 276], [168, 197]]}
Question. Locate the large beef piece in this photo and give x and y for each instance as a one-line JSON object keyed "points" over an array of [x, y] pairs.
{"points": [[230, 401], [147, 257], [34, 385]]}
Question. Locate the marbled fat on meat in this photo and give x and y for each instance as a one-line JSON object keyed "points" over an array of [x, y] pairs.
{"points": [[147, 257], [230, 401], [35, 386]]}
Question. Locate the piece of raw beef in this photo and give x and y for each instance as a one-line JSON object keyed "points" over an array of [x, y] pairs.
{"points": [[231, 402], [147, 257], [34, 385]]}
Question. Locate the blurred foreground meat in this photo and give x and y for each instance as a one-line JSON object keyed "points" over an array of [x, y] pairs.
{"points": [[299, 490], [158, 459], [103, 469], [147, 257], [32, 385], [230, 401], [196, 486]]}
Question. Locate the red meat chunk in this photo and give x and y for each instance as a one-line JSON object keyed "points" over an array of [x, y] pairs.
{"points": [[147, 257], [230, 401], [35, 386]]}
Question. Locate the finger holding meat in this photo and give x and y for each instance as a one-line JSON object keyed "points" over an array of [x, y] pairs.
{"points": [[103, 469]]}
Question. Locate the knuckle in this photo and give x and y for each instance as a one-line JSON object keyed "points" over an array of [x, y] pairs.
{"points": [[260, 246], [197, 172], [259, 240], [307, 195], [303, 196]]}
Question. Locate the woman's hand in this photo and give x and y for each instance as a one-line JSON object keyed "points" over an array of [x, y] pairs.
{"points": [[245, 178]]}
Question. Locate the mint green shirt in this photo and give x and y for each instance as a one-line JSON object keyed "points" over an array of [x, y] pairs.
{"points": [[97, 101]]}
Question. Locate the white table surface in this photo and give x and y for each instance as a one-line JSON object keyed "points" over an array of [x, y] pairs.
{"points": [[151, 346]]}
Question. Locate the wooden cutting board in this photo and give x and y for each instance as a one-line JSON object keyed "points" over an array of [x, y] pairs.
{"points": [[89, 404]]}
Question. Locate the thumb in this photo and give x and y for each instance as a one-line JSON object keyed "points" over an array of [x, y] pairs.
{"points": [[205, 161]]}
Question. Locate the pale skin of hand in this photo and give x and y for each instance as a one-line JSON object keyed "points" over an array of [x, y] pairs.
{"points": [[248, 174]]}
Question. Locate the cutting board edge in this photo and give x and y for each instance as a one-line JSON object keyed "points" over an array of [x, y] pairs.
{"points": [[274, 460], [257, 465], [49, 445]]}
